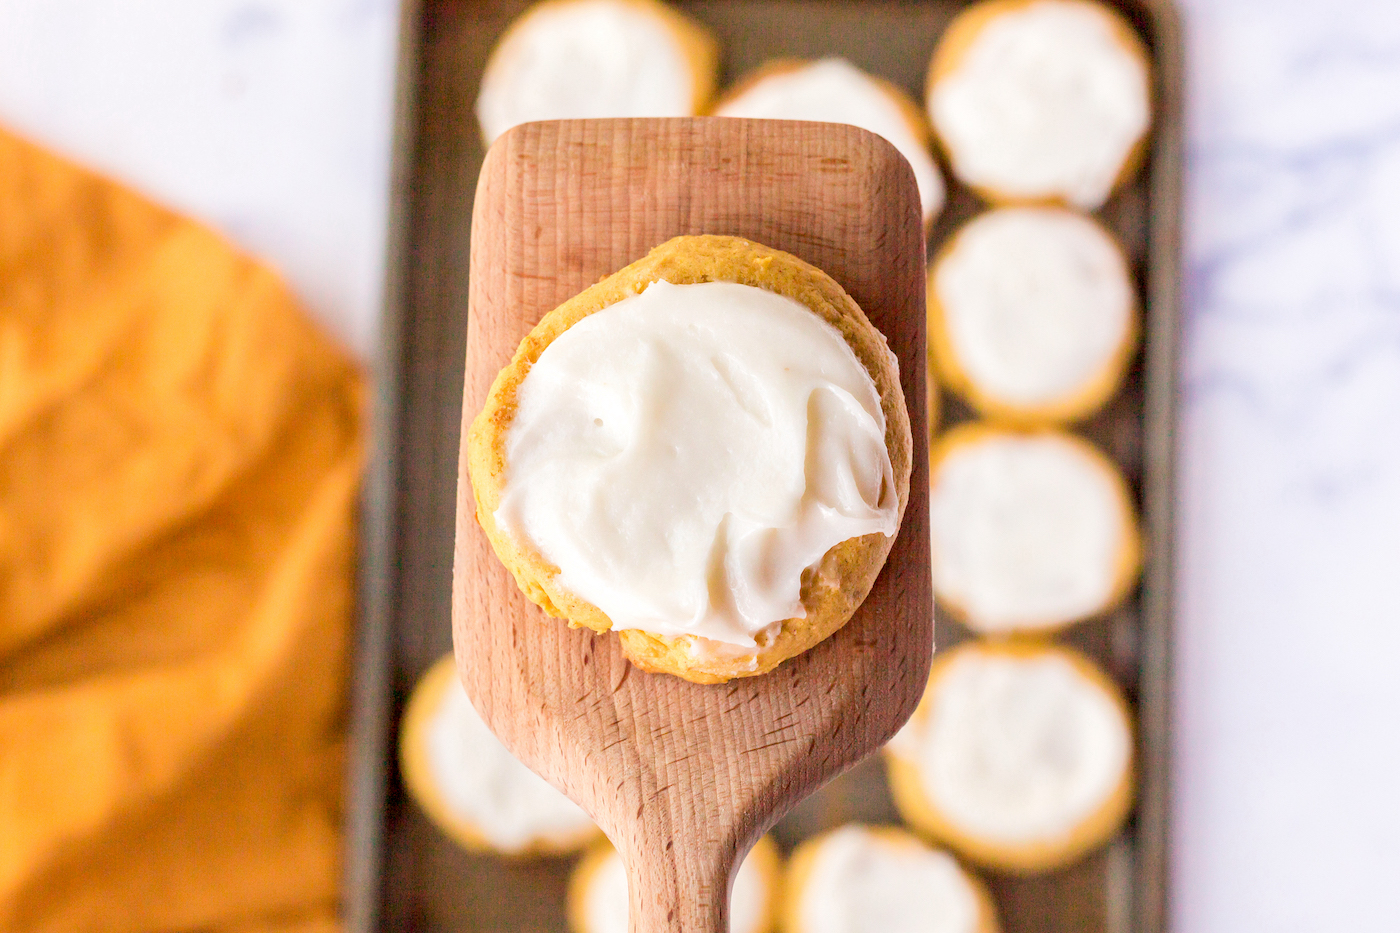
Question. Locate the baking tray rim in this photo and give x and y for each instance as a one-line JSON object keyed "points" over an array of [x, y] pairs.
{"points": [[370, 692]]}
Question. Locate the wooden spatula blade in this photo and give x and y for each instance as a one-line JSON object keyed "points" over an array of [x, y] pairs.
{"points": [[684, 777]]}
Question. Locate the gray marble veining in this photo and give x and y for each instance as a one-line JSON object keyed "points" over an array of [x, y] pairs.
{"points": [[1288, 701]]}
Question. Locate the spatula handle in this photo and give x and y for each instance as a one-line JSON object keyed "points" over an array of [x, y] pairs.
{"points": [[678, 888]]}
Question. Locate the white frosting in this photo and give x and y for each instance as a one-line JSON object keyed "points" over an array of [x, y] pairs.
{"points": [[905, 742], [605, 903], [862, 884], [586, 58], [834, 91], [1047, 101], [1036, 301], [487, 786], [684, 454], [1020, 749], [1027, 531]]}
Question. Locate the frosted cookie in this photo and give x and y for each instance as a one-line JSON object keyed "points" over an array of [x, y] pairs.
{"points": [[1031, 531], [598, 891], [1041, 100], [574, 59], [878, 879], [642, 464], [833, 90], [1031, 314], [476, 792], [1019, 757]]}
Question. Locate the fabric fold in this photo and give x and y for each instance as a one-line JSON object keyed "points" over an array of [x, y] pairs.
{"points": [[180, 455]]}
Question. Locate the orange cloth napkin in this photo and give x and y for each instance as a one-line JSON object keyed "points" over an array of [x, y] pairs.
{"points": [[180, 453]]}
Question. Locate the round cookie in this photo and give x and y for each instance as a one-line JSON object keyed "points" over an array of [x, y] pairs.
{"points": [[1019, 757], [833, 587], [597, 901], [1031, 531], [840, 882], [471, 787], [832, 90], [1041, 101], [1032, 315], [575, 59]]}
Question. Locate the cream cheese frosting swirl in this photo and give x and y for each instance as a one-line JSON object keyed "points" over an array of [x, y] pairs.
{"points": [[683, 455]]}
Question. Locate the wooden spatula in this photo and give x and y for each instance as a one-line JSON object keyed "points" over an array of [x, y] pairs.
{"points": [[684, 778]]}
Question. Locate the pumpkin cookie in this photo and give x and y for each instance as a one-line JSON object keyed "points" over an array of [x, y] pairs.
{"points": [[878, 879], [573, 59], [1019, 757], [470, 786], [707, 451], [1031, 315], [1030, 530], [1044, 101]]}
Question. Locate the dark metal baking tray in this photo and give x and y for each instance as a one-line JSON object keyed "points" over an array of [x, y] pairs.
{"points": [[401, 874]]}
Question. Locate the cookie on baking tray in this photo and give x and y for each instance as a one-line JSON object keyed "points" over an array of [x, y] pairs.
{"points": [[1030, 530], [1045, 101], [470, 786], [1019, 757], [574, 59], [1032, 315], [879, 879]]}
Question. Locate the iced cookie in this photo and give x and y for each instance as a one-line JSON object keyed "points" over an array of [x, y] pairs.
{"points": [[1031, 530], [470, 786], [1019, 757], [878, 879], [573, 59], [707, 452], [1041, 100], [1031, 315]]}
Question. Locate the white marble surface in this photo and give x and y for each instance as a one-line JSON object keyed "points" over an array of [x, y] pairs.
{"points": [[1288, 680], [270, 120]]}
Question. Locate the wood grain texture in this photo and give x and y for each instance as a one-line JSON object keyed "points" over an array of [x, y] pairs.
{"points": [[684, 778]]}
